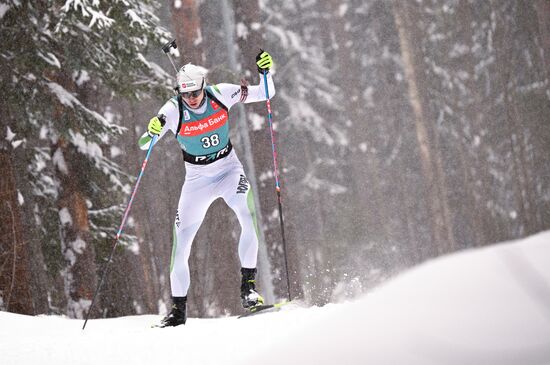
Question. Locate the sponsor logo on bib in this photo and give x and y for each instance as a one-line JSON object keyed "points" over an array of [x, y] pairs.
{"points": [[205, 125]]}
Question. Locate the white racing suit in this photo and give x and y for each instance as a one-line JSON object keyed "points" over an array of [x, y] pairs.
{"points": [[213, 170]]}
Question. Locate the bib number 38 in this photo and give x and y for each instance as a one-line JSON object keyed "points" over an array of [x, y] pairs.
{"points": [[210, 141]]}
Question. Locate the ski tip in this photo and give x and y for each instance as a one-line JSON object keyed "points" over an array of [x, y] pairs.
{"points": [[262, 307], [279, 305]]}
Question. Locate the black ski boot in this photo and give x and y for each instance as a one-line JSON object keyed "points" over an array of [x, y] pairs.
{"points": [[249, 296], [178, 313]]}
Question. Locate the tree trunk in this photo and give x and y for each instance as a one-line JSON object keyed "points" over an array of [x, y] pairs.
{"points": [[15, 268], [258, 155], [442, 226], [187, 27], [543, 14], [80, 274], [516, 125]]}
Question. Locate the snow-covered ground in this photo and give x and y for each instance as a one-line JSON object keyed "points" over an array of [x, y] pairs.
{"points": [[484, 306]]}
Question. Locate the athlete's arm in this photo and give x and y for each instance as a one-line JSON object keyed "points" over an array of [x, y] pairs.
{"points": [[231, 94], [171, 111]]}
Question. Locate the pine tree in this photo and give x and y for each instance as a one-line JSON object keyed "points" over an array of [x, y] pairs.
{"points": [[62, 60]]}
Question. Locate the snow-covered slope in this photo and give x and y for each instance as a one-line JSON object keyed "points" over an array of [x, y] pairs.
{"points": [[485, 306]]}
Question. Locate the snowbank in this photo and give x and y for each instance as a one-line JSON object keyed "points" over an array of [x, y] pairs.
{"points": [[485, 306]]}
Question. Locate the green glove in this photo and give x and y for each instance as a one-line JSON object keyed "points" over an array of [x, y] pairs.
{"points": [[155, 126], [264, 61]]}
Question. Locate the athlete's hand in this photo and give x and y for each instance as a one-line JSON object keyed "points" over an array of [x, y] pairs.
{"points": [[156, 124], [264, 61]]}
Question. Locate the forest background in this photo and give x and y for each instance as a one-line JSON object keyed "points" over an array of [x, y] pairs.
{"points": [[405, 130]]}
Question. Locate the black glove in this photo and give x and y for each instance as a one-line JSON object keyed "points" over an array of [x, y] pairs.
{"points": [[264, 61]]}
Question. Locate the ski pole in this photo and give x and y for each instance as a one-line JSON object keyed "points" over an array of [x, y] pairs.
{"points": [[166, 49], [277, 185], [119, 233]]}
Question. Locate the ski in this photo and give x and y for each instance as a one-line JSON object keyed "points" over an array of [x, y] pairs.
{"points": [[159, 325], [251, 312], [261, 308]]}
